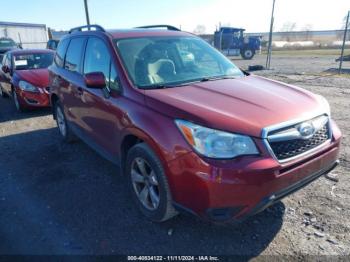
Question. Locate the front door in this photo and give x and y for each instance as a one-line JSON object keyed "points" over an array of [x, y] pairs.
{"points": [[103, 115]]}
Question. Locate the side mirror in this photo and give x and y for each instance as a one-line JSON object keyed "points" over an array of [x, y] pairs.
{"points": [[95, 80], [5, 69]]}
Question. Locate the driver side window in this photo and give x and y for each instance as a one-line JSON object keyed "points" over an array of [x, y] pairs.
{"points": [[98, 59]]}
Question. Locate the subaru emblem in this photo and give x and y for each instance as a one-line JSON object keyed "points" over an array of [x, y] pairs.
{"points": [[306, 130]]}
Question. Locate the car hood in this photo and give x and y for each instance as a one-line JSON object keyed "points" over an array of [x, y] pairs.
{"points": [[245, 105], [37, 77]]}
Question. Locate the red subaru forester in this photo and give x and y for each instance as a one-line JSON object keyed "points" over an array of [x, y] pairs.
{"points": [[189, 129]]}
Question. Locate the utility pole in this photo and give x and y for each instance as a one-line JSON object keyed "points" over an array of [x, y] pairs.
{"points": [[269, 49], [87, 12], [343, 46]]}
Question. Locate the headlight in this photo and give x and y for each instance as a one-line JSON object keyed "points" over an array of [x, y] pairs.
{"points": [[25, 86], [214, 143]]}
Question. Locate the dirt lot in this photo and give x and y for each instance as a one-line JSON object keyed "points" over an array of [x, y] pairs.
{"points": [[66, 199]]}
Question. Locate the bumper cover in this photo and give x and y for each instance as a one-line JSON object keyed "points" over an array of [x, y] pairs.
{"points": [[234, 190]]}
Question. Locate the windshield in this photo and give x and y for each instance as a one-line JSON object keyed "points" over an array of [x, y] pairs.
{"points": [[33, 61], [6, 43], [165, 61]]}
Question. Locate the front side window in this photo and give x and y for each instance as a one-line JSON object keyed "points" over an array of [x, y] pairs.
{"points": [[162, 61], [113, 82], [74, 54], [98, 59], [32, 61]]}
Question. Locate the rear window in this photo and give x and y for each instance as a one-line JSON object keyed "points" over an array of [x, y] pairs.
{"points": [[32, 61], [74, 54]]}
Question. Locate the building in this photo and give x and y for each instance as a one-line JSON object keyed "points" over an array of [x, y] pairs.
{"points": [[28, 35]]}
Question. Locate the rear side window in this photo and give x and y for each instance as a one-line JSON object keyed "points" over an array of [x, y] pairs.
{"points": [[74, 54], [60, 52]]}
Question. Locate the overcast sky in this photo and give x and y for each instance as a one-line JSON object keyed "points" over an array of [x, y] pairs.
{"points": [[254, 15]]}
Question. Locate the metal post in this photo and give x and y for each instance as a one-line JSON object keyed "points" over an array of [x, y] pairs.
{"points": [[343, 46], [20, 41], [87, 12], [269, 49]]}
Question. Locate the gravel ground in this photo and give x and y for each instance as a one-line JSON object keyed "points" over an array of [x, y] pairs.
{"points": [[66, 199]]}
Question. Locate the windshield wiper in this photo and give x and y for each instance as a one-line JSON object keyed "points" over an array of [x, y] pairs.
{"points": [[214, 78], [159, 86], [170, 85]]}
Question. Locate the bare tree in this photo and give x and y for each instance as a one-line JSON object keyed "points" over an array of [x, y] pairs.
{"points": [[288, 27], [307, 28], [199, 30]]}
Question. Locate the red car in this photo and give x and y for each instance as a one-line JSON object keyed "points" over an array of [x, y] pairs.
{"points": [[189, 129], [24, 77]]}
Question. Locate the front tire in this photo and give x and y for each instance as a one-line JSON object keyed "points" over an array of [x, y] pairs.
{"points": [[18, 105], [62, 126], [148, 183]]}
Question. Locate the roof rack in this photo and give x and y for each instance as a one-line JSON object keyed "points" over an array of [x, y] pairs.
{"points": [[168, 27], [88, 27]]}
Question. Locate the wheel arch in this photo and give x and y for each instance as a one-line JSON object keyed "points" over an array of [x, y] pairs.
{"points": [[133, 136]]}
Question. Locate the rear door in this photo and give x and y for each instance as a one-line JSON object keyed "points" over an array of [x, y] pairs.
{"points": [[72, 82]]}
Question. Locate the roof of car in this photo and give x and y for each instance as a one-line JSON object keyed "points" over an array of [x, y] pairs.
{"points": [[141, 32], [132, 33], [30, 51]]}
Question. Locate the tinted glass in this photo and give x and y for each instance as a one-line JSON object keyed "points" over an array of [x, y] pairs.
{"points": [[159, 61], [7, 60], [60, 52], [113, 79], [74, 54], [97, 58], [32, 61], [7, 43]]}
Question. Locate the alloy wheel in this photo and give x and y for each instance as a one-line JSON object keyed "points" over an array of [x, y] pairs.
{"points": [[145, 183]]}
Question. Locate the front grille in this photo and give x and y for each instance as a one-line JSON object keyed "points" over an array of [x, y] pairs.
{"points": [[290, 148]]}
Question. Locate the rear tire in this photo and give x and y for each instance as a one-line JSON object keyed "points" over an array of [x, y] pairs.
{"points": [[62, 125], [248, 53], [148, 183]]}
